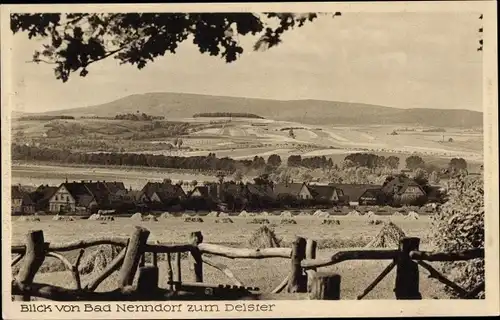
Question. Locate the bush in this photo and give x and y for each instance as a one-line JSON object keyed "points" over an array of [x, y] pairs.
{"points": [[459, 225]]}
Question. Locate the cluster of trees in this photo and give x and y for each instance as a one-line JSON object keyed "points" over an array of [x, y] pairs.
{"points": [[370, 160], [138, 117], [415, 162], [311, 162], [46, 118], [226, 114]]}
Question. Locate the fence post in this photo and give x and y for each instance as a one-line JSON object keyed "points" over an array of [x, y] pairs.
{"points": [[311, 246], [32, 261], [325, 286], [178, 274], [132, 256], [195, 239], [170, 274], [407, 274], [147, 281], [297, 280]]}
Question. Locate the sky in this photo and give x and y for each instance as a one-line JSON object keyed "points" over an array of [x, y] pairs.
{"points": [[402, 60]]}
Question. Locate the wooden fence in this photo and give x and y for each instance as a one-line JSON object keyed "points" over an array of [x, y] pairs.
{"points": [[303, 281]]}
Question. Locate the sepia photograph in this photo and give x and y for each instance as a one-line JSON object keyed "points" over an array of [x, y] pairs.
{"points": [[155, 157]]}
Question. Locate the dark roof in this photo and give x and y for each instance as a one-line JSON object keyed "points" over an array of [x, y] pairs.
{"points": [[372, 193], [261, 190], [203, 190], [43, 194], [168, 189], [354, 191], [16, 192], [402, 183], [287, 188], [322, 192], [115, 187]]}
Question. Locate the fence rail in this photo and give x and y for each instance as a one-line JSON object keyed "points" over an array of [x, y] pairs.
{"points": [[303, 279]]}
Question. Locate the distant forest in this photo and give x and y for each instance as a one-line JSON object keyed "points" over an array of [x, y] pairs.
{"points": [[227, 114], [48, 118]]}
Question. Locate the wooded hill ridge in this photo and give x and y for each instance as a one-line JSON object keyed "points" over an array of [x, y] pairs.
{"points": [[184, 105]]}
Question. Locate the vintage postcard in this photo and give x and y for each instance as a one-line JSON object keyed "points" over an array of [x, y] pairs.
{"points": [[249, 160]]}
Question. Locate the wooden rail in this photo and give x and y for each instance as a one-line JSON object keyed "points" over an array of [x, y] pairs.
{"points": [[303, 277]]}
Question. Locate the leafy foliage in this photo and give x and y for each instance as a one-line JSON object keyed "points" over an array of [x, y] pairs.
{"points": [[459, 225], [414, 162], [76, 40]]}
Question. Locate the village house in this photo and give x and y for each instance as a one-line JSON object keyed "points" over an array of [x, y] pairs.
{"points": [[161, 193], [372, 197], [21, 201], [85, 196], [404, 191], [325, 193], [41, 197], [351, 193], [296, 190]]}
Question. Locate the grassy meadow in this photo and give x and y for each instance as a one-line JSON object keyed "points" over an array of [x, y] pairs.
{"points": [[266, 273]]}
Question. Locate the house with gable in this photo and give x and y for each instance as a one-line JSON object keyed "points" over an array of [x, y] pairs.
{"points": [[404, 191], [351, 194], [324, 193], [296, 190], [21, 201], [161, 194], [41, 196]]}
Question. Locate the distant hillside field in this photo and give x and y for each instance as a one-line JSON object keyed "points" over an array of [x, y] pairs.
{"points": [[181, 105], [226, 115]]}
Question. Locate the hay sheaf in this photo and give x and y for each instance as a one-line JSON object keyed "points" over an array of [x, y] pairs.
{"points": [[213, 214], [412, 215], [223, 215], [136, 216], [97, 259], [193, 219], [101, 217], [288, 221], [264, 237], [397, 214], [28, 218], [354, 213], [331, 221], [286, 214], [165, 215], [224, 220], [388, 237], [259, 221], [63, 218], [149, 217]]}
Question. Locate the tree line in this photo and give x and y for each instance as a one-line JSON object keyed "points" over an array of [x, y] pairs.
{"points": [[227, 114]]}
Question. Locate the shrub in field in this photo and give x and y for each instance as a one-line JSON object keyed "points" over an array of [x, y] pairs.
{"points": [[459, 225], [331, 221], [288, 221], [193, 219], [264, 237], [259, 221]]}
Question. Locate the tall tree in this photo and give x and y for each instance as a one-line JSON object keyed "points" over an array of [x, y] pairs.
{"points": [[77, 40]]}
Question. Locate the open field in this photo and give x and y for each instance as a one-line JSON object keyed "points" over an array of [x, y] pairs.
{"points": [[35, 175], [353, 231]]}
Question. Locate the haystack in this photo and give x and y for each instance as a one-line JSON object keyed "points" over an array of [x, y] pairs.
{"points": [[165, 215], [397, 214], [388, 237], [412, 215], [243, 214], [354, 213], [319, 213], [265, 214], [370, 214], [288, 221], [224, 220], [259, 221], [303, 213], [223, 215], [63, 218], [149, 217], [28, 218], [213, 214], [331, 221], [97, 259], [186, 215], [375, 221], [101, 217], [264, 237], [136, 216], [286, 214]]}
